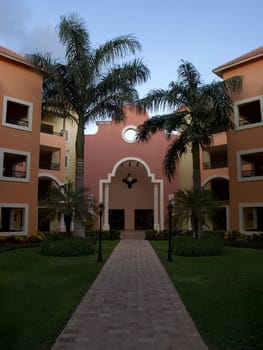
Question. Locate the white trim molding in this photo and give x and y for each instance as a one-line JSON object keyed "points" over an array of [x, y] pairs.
{"points": [[24, 206], [29, 116], [104, 188]]}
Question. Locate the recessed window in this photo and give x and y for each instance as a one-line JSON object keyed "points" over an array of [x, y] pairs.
{"points": [[251, 217], [14, 165], [129, 134], [17, 113], [248, 113], [13, 219], [250, 165], [66, 161]]}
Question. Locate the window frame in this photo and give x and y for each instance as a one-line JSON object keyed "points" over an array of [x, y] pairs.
{"points": [[128, 128], [239, 165], [6, 99], [241, 207], [25, 218], [13, 151]]}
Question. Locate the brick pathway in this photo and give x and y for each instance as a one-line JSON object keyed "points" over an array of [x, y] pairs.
{"points": [[131, 305]]}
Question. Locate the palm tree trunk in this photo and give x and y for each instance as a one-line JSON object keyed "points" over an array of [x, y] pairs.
{"points": [[79, 229], [198, 229]]}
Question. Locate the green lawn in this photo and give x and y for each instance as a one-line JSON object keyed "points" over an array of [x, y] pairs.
{"points": [[223, 294], [39, 293]]}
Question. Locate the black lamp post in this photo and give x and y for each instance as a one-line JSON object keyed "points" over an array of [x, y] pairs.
{"points": [[101, 209], [170, 211]]}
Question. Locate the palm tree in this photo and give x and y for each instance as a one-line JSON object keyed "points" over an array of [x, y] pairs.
{"points": [[197, 112], [92, 84], [68, 201], [188, 203]]}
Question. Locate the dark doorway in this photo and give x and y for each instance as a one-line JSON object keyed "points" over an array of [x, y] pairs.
{"points": [[220, 219], [43, 219], [143, 219], [116, 219]]}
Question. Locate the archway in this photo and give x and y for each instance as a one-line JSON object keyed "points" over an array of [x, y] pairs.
{"points": [[45, 181], [133, 198], [219, 186]]}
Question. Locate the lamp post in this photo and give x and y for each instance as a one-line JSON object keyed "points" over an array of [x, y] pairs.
{"points": [[170, 211], [101, 209]]}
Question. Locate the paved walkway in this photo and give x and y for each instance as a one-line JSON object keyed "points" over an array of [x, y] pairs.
{"points": [[132, 305]]}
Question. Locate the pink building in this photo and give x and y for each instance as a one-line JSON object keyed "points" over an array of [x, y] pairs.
{"points": [[127, 176]]}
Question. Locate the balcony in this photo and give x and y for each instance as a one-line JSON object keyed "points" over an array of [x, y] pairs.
{"points": [[215, 157], [216, 164], [49, 158], [48, 129]]}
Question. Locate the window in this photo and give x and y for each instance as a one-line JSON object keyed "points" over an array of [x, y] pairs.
{"points": [[66, 161], [14, 165], [13, 219], [66, 132], [248, 113], [17, 113], [251, 217], [129, 134], [250, 165]]}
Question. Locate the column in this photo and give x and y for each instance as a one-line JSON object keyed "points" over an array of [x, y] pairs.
{"points": [[106, 225], [156, 225]]}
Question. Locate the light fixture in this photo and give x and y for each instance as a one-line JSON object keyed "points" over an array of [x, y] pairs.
{"points": [[129, 180]]}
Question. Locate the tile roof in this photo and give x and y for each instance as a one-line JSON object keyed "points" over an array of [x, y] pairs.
{"points": [[5, 52], [249, 56]]}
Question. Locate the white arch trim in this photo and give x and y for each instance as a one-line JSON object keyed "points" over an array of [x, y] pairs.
{"points": [[104, 183], [51, 176], [149, 173], [216, 176]]}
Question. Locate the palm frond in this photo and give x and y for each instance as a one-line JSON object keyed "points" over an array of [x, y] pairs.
{"points": [[174, 152], [117, 48], [74, 36], [150, 127]]}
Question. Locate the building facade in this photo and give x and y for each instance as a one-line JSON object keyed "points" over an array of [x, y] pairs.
{"points": [[20, 108], [127, 176], [245, 144]]}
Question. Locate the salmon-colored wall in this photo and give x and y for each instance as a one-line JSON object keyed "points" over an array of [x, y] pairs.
{"points": [[206, 174], [245, 139], [21, 82], [107, 147], [59, 142]]}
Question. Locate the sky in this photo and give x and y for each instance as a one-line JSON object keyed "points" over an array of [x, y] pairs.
{"points": [[207, 33]]}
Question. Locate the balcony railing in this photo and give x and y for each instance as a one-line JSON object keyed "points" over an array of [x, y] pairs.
{"points": [[49, 166], [14, 173], [250, 173], [215, 164], [47, 130]]}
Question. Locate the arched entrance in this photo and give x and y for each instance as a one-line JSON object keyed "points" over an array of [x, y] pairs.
{"points": [[219, 186], [133, 198]]}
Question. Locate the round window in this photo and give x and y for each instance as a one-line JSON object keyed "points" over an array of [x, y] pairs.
{"points": [[129, 134]]}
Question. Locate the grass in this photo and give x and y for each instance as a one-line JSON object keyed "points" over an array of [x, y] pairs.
{"points": [[224, 295], [39, 293]]}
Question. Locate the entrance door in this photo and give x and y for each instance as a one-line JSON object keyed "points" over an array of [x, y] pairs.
{"points": [[143, 219], [116, 219]]}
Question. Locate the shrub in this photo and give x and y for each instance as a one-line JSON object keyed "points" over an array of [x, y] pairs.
{"points": [[71, 246], [235, 238], [204, 246], [17, 241]]}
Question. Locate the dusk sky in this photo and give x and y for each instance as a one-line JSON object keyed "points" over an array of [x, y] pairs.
{"points": [[205, 32]]}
